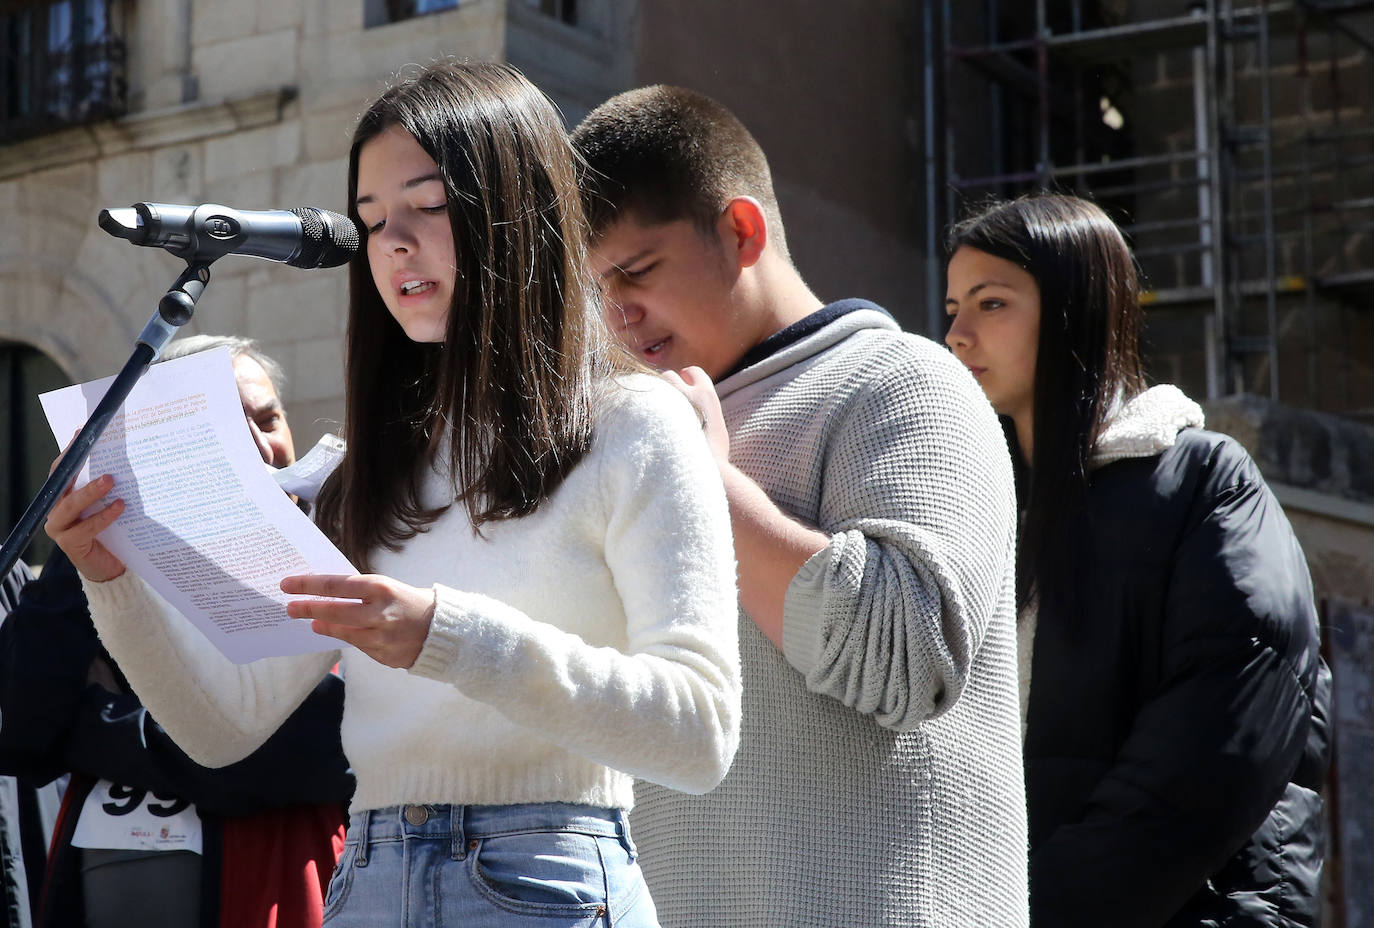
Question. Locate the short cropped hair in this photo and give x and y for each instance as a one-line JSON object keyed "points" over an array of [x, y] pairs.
{"points": [[664, 153], [238, 346]]}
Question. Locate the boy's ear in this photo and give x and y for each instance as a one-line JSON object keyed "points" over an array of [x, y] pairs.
{"points": [[744, 230]]}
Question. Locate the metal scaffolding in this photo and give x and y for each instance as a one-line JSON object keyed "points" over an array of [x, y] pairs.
{"points": [[1010, 108]]}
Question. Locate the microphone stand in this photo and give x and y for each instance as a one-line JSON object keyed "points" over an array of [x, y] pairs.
{"points": [[173, 311]]}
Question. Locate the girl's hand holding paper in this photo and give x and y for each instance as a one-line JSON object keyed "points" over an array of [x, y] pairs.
{"points": [[384, 618]]}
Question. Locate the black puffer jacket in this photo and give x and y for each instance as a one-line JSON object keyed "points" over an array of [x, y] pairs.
{"points": [[1177, 729]]}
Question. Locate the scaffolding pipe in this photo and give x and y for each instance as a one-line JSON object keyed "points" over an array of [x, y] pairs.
{"points": [[1145, 187], [1271, 297], [1042, 69], [1202, 144], [997, 143], [1215, 333], [1169, 32], [1079, 109], [934, 271], [994, 180], [951, 171], [1123, 164], [1226, 137], [1309, 261]]}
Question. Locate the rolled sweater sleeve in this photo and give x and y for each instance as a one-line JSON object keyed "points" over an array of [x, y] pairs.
{"points": [[665, 708], [917, 498], [217, 711]]}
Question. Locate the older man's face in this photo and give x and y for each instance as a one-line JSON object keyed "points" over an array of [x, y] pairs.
{"points": [[263, 410]]}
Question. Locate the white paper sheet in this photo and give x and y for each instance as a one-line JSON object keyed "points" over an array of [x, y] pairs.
{"points": [[204, 524]]}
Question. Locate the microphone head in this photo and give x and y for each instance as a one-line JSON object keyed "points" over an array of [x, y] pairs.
{"points": [[328, 239]]}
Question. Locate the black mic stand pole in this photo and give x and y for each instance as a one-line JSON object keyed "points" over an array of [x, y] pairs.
{"points": [[173, 310]]}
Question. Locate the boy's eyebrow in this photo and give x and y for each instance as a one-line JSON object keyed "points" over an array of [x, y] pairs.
{"points": [[413, 182], [635, 258]]}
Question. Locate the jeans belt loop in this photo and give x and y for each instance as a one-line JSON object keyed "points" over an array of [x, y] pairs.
{"points": [[458, 848], [364, 836], [622, 828]]}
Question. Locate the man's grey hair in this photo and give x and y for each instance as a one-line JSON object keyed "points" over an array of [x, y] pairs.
{"points": [[238, 346]]}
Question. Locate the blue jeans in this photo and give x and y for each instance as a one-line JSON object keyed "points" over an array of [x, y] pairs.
{"points": [[544, 864]]}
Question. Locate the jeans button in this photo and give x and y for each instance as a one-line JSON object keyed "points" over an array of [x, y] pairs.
{"points": [[416, 815]]}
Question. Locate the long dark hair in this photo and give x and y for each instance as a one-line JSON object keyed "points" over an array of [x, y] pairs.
{"points": [[1087, 359], [514, 384]]}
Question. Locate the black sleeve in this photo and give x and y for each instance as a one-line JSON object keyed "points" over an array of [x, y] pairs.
{"points": [[11, 585], [47, 643], [116, 739], [1213, 747]]}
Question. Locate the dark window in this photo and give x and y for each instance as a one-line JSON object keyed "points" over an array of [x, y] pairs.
{"points": [[61, 64], [561, 10], [27, 448], [381, 12]]}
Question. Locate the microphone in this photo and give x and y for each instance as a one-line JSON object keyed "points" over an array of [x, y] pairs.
{"points": [[304, 237]]}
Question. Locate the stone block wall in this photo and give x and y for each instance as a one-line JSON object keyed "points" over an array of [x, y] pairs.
{"points": [[248, 104]]}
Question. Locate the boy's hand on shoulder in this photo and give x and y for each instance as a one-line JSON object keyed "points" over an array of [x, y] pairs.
{"points": [[695, 384]]}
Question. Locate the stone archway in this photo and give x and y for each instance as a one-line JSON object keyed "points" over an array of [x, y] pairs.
{"points": [[68, 315]]}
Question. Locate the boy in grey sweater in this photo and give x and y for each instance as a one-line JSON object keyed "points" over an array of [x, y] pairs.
{"points": [[878, 780]]}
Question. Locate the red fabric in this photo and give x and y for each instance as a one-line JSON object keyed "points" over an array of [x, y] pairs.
{"points": [[276, 866], [60, 852]]}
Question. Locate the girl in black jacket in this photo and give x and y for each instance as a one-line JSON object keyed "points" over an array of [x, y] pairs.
{"points": [[1174, 702]]}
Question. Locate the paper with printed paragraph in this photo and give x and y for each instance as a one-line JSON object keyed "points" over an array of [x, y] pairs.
{"points": [[204, 523]]}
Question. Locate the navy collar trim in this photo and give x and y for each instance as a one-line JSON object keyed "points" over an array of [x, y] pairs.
{"points": [[798, 330]]}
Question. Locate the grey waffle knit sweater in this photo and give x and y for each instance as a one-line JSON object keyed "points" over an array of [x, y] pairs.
{"points": [[878, 780]]}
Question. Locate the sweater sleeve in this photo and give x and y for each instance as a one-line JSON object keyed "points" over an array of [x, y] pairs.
{"points": [[918, 501], [217, 711], [666, 708], [1212, 748]]}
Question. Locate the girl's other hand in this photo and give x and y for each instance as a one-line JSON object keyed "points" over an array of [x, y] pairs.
{"points": [[77, 537], [695, 384], [384, 618]]}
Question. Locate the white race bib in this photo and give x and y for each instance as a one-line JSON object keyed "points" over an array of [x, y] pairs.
{"points": [[125, 818]]}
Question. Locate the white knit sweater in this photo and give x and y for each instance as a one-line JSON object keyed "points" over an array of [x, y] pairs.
{"points": [[570, 650], [878, 780]]}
